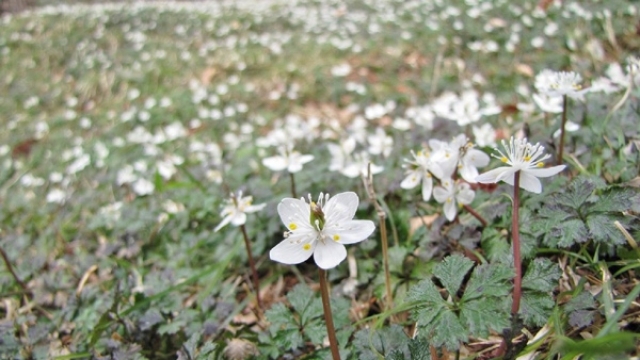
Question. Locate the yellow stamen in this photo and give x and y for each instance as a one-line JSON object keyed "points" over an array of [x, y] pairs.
{"points": [[336, 237], [504, 159], [527, 158], [540, 164], [293, 226], [306, 246]]}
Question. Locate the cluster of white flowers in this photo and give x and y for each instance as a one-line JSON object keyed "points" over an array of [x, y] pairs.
{"points": [[454, 164]]}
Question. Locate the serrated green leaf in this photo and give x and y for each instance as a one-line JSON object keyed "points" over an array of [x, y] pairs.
{"points": [[446, 330], [602, 228], [305, 302], [280, 316], [316, 332], [489, 280], [451, 271], [396, 258], [481, 315], [535, 308], [577, 193], [370, 344], [495, 245], [542, 275], [427, 295], [614, 200]]}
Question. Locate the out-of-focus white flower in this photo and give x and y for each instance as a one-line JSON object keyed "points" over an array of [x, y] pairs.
{"points": [[380, 143], [359, 166], [560, 83], [524, 157], [570, 126], [236, 209], [341, 70], [288, 159], [485, 135], [57, 196], [420, 170], [320, 229], [549, 104], [453, 195], [143, 187], [340, 153]]}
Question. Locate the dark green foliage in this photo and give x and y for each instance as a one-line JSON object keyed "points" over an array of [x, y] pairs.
{"points": [[449, 320]]}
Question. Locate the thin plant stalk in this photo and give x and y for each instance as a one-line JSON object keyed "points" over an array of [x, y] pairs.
{"points": [[328, 316], [252, 265], [12, 271], [515, 237], [382, 216], [564, 122], [293, 185], [475, 214]]}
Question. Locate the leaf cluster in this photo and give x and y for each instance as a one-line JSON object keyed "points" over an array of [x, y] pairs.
{"points": [[586, 211]]}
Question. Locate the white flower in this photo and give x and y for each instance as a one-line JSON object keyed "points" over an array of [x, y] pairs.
{"points": [[288, 159], [340, 153], [236, 209], [570, 126], [523, 157], [420, 170], [460, 154], [485, 135], [453, 195], [143, 187], [380, 143], [359, 166], [320, 229], [560, 83]]}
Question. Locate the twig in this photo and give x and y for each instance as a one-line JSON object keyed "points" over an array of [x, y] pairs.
{"points": [[368, 184], [475, 214], [293, 185], [564, 121], [12, 271]]}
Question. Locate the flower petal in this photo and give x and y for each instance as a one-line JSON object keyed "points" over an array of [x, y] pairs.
{"points": [[329, 254], [341, 207], [254, 208], [296, 212], [450, 210], [546, 172], [440, 194], [224, 222], [492, 176], [292, 250], [351, 232], [275, 163], [530, 182], [239, 219], [412, 179], [427, 188], [477, 158]]}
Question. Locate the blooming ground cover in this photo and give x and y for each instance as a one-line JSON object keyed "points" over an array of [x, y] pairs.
{"points": [[146, 148]]}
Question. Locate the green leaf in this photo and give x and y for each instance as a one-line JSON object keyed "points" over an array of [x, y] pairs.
{"points": [[279, 315], [305, 302], [614, 200], [542, 275], [481, 315], [371, 344], [446, 330], [535, 308], [597, 348], [426, 294], [495, 245], [602, 228], [451, 271], [578, 192], [489, 280], [580, 309]]}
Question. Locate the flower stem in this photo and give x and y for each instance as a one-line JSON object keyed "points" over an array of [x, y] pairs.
{"points": [[293, 185], [328, 316], [515, 237], [13, 273], [564, 121], [254, 273], [475, 214]]}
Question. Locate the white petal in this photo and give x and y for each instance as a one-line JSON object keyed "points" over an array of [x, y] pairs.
{"points": [[490, 176], [341, 207], [329, 254], [465, 195], [477, 158], [546, 172], [351, 232], [254, 208], [296, 212], [440, 194], [530, 183], [305, 159], [294, 167], [290, 251], [469, 173], [412, 180], [224, 222], [275, 163], [450, 210], [427, 187], [239, 219]]}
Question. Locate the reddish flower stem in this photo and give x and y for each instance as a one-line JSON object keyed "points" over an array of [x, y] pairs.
{"points": [[328, 316], [475, 214], [252, 265], [515, 237], [293, 185]]}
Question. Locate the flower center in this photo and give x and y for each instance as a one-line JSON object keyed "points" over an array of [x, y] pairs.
{"points": [[316, 216]]}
